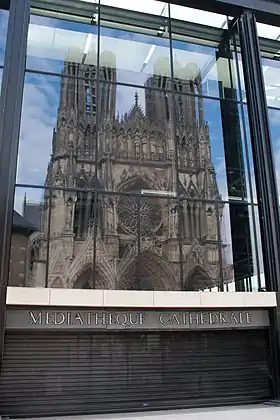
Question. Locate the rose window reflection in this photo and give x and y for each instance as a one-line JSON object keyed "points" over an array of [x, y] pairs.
{"points": [[141, 214]]}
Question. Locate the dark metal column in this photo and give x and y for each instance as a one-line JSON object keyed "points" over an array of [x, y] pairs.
{"points": [[265, 175], [10, 112]]}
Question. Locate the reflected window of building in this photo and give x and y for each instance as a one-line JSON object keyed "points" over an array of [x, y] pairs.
{"points": [[153, 7], [52, 41], [201, 17], [135, 47], [203, 52]]}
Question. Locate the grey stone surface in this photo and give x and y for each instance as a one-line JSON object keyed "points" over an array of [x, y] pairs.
{"points": [[255, 412]]}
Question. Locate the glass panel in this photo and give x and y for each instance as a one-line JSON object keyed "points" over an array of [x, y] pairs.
{"points": [[122, 221], [197, 16], [114, 221], [4, 17], [271, 73], [259, 281], [52, 136], [239, 247], [270, 46], [206, 56], [247, 153], [210, 155], [39, 117], [70, 252], [134, 49], [145, 6], [220, 247], [226, 250], [54, 42], [200, 236], [274, 119], [135, 146], [157, 266], [29, 238], [268, 31]]}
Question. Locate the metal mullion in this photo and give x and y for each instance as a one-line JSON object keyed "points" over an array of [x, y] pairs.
{"points": [[48, 238], [10, 105], [256, 241], [96, 210], [80, 207], [274, 108], [138, 233], [111, 82], [97, 91], [132, 85], [75, 8], [87, 203], [180, 236], [123, 193], [212, 98], [135, 85], [180, 220], [60, 75], [221, 269]]}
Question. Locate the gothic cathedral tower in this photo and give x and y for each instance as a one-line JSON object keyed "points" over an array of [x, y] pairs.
{"points": [[136, 238]]}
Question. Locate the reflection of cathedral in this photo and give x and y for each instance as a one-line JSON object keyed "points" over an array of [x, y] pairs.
{"points": [[137, 238]]}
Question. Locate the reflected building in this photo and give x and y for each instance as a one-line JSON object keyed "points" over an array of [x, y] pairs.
{"points": [[102, 162], [21, 231]]}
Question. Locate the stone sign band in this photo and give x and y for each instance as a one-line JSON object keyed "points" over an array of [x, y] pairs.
{"points": [[149, 320]]}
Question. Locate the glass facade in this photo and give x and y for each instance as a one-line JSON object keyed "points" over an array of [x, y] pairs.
{"points": [[269, 37], [135, 167]]}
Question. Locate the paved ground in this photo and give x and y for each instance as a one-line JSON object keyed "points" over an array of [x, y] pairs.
{"points": [[255, 412]]}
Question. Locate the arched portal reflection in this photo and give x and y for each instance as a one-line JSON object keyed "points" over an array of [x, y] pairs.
{"points": [[148, 271], [85, 280], [198, 279]]}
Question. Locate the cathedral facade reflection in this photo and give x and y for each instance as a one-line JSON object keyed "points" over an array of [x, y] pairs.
{"points": [[99, 227]]}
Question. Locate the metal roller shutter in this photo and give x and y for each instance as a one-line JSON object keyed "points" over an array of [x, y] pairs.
{"points": [[55, 373]]}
